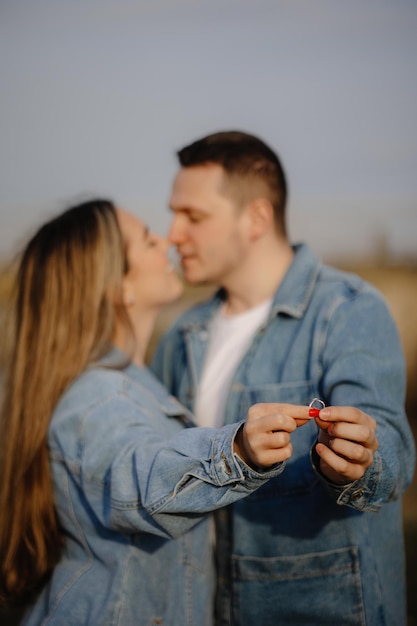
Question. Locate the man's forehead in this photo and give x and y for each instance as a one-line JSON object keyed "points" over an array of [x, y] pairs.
{"points": [[206, 174], [197, 182]]}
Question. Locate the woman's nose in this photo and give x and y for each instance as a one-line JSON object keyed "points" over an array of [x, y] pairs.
{"points": [[164, 243]]}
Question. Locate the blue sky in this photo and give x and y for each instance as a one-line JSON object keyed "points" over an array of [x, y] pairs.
{"points": [[96, 96]]}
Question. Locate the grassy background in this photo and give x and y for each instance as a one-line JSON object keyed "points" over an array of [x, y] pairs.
{"points": [[399, 286]]}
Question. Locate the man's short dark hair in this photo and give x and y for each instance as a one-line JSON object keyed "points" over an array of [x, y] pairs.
{"points": [[244, 158]]}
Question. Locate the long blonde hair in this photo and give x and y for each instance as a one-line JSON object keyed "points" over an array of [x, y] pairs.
{"points": [[68, 282]]}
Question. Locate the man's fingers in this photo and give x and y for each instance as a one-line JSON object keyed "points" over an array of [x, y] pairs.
{"points": [[352, 452], [360, 434], [345, 414], [342, 470]]}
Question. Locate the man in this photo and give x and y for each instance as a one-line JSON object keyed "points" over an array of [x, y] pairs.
{"points": [[322, 543]]}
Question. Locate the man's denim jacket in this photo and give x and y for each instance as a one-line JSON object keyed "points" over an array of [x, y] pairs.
{"points": [[132, 489], [302, 550]]}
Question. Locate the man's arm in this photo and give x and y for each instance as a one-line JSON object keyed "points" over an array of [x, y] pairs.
{"points": [[365, 449]]}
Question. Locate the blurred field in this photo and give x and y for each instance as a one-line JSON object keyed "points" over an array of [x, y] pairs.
{"points": [[399, 286]]}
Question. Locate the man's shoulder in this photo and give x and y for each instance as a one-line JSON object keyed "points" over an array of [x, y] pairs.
{"points": [[349, 294], [333, 278], [309, 269], [311, 285]]}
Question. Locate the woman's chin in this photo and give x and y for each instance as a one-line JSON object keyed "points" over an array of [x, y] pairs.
{"points": [[174, 291], [178, 291]]}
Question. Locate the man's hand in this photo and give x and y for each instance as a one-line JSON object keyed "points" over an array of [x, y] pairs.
{"points": [[265, 438], [347, 442]]}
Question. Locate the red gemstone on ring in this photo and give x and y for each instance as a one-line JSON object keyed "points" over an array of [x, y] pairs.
{"points": [[313, 412]]}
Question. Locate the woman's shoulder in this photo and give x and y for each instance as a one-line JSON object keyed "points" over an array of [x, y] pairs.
{"points": [[101, 390], [103, 404], [92, 389], [97, 383]]}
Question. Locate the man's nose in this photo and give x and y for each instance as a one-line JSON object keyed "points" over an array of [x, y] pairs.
{"points": [[177, 231]]}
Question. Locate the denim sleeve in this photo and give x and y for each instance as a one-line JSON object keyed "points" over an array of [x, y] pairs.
{"points": [[363, 366], [134, 479]]}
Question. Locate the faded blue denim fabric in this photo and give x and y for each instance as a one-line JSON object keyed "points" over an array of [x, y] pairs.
{"points": [[132, 487], [301, 550]]}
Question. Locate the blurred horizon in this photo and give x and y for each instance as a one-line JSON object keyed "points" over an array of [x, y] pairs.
{"points": [[344, 231], [97, 96]]}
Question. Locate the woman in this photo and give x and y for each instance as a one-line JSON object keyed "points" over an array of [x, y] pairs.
{"points": [[104, 492]]}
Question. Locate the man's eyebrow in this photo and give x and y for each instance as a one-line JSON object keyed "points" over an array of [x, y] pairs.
{"points": [[186, 209]]}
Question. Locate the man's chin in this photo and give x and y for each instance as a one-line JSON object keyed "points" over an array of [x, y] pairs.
{"points": [[193, 278]]}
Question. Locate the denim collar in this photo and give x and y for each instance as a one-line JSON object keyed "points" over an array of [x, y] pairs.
{"points": [[296, 289]]}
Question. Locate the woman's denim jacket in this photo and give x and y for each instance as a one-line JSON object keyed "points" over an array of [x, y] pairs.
{"points": [[132, 489], [301, 550]]}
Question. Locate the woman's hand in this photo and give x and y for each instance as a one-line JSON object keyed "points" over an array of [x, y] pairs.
{"points": [[265, 438]]}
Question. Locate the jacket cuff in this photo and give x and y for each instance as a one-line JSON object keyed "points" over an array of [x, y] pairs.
{"points": [[359, 494], [229, 467]]}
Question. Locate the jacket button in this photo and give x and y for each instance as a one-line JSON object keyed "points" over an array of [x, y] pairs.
{"points": [[227, 467], [357, 494]]}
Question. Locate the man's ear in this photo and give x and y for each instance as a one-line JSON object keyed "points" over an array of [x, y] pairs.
{"points": [[261, 216]]}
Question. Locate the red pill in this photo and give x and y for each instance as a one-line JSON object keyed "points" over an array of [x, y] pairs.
{"points": [[313, 412]]}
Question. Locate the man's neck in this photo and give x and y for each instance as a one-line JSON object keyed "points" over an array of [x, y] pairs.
{"points": [[258, 281]]}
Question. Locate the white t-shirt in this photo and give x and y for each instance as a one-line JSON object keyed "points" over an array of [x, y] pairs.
{"points": [[230, 338]]}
